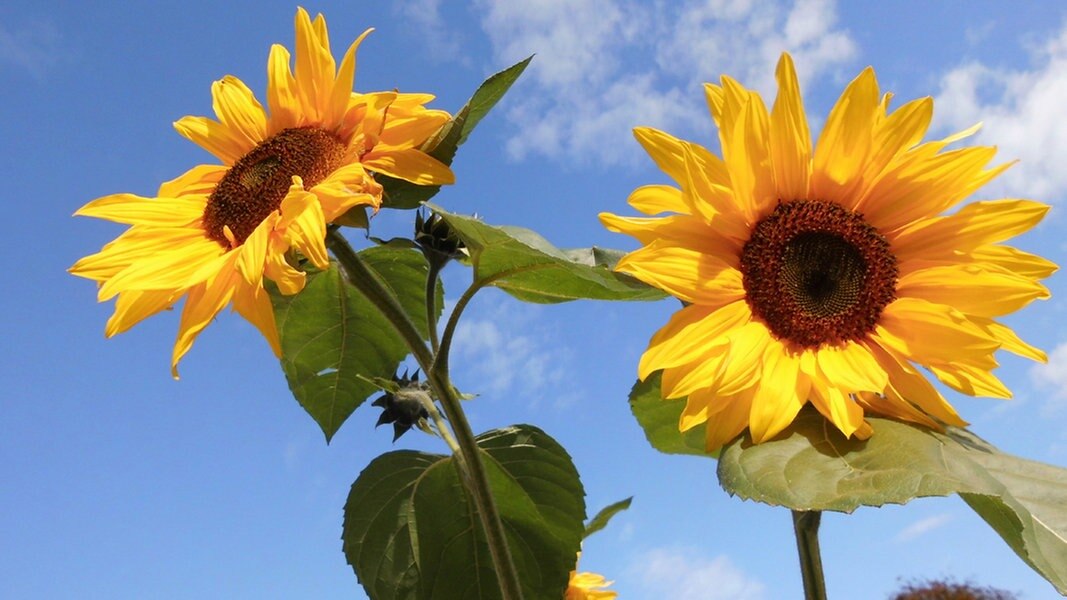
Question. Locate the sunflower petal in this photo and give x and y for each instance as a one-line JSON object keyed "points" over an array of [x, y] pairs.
{"points": [[687, 274], [409, 164], [776, 401], [202, 304], [689, 334], [790, 140]]}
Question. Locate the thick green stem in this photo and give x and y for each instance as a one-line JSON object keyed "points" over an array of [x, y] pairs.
{"points": [[469, 459], [806, 528]]}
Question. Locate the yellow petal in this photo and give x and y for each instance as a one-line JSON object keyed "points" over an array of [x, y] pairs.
{"points": [[410, 165], [918, 186], [776, 400], [852, 368], [315, 67], [412, 131], [341, 90], [668, 152], [173, 269], [281, 91], [137, 305], [1013, 260], [288, 279], [845, 141], [746, 348], [729, 422], [214, 137], [202, 304], [927, 333], [679, 230], [714, 202], [687, 274], [745, 148], [971, 289], [656, 199], [1009, 340], [137, 210], [253, 303], [201, 180], [689, 334], [836, 405], [135, 245], [790, 140], [239, 111], [908, 386], [976, 224], [970, 380], [894, 134]]}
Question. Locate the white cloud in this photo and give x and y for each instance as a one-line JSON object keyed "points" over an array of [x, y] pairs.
{"points": [[921, 527], [688, 575], [34, 47], [606, 66], [1053, 376], [499, 352], [425, 15], [1022, 111]]}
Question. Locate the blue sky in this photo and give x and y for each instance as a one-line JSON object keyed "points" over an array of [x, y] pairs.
{"points": [[119, 482]]}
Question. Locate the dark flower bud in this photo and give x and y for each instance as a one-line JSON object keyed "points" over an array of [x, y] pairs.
{"points": [[437, 240], [404, 408]]}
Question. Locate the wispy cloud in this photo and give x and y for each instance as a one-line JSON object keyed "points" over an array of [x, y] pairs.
{"points": [[1053, 377], [606, 66], [1023, 114], [685, 574], [922, 527], [506, 353], [33, 47], [425, 16]]}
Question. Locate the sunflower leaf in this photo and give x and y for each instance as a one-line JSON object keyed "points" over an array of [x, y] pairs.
{"points": [[525, 265], [335, 343], [443, 145], [811, 466], [601, 519], [659, 419], [410, 530]]}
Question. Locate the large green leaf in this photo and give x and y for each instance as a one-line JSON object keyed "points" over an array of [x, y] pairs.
{"points": [[334, 339], [443, 145], [410, 530], [659, 419], [811, 466], [527, 266]]}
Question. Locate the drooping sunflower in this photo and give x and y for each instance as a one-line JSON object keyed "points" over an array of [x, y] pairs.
{"points": [[212, 234], [827, 275]]}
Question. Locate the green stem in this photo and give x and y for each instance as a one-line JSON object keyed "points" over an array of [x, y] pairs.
{"points": [[806, 528], [431, 303], [469, 459], [441, 358]]}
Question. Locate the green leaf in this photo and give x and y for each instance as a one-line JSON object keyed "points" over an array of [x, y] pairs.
{"points": [[659, 419], [410, 530], [443, 145], [601, 519], [811, 466], [528, 267], [334, 340]]}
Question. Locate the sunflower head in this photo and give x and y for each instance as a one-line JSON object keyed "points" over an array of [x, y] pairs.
{"points": [[213, 234], [827, 272]]}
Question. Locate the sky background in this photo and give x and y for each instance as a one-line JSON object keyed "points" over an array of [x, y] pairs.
{"points": [[118, 482]]}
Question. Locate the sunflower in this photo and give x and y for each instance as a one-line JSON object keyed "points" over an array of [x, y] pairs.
{"points": [[588, 586], [214, 233], [828, 275]]}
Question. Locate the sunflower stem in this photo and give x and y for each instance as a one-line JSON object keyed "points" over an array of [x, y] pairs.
{"points": [[806, 529], [469, 458], [431, 303]]}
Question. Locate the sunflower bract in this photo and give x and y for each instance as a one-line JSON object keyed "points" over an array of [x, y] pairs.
{"points": [[829, 273]]}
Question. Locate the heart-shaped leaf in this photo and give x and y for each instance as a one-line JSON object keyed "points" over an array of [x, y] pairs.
{"points": [[410, 530], [811, 466], [335, 342]]}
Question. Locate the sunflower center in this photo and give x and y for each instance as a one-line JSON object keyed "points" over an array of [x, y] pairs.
{"points": [[256, 184], [817, 273]]}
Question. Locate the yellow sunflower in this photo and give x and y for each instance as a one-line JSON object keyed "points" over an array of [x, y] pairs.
{"points": [[212, 234], [827, 275], [588, 586]]}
